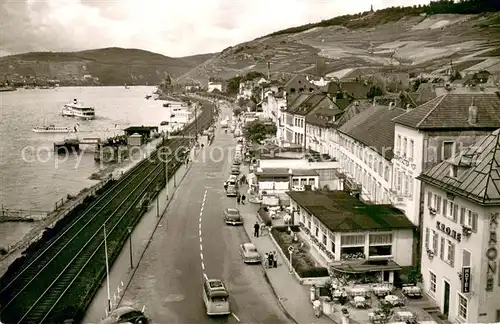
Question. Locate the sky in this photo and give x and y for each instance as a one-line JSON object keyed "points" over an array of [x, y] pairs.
{"points": [[172, 28]]}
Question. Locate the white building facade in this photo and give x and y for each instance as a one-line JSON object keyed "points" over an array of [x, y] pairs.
{"points": [[461, 228]]}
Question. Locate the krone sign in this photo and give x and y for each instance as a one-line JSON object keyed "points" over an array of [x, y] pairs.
{"points": [[492, 253]]}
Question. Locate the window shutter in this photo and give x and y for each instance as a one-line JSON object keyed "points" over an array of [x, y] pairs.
{"points": [[429, 199], [452, 254], [462, 216], [443, 246], [427, 238], [455, 212], [445, 207], [466, 258], [474, 222]]}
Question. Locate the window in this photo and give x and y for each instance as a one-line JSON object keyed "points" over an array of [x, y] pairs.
{"points": [[386, 173], [405, 147], [468, 218], [429, 199], [427, 234], [380, 239], [412, 149], [448, 150], [434, 241], [432, 282], [445, 207], [352, 240], [462, 307], [398, 144], [452, 211], [380, 245], [450, 253], [466, 258], [410, 186], [324, 239], [380, 169], [437, 203], [333, 246], [316, 231], [443, 247]]}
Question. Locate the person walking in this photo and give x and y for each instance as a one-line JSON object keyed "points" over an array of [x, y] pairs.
{"points": [[243, 199], [256, 228], [225, 186], [271, 260]]}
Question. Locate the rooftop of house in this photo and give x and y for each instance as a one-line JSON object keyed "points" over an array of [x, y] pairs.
{"points": [[323, 117], [342, 103], [352, 110], [284, 172], [354, 89], [341, 212], [474, 173], [141, 129], [305, 107], [452, 111], [301, 80], [374, 128]]}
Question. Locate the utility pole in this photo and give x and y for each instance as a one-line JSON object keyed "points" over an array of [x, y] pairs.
{"points": [[196, 121], [166, 175]]}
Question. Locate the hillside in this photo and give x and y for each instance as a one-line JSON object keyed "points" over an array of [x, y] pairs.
{"points": [[400, 39], [112, 66]]}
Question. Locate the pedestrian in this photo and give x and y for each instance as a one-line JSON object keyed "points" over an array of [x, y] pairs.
{"points": [[243, 199], [271, 259], [256, 228], [275, 258], [266, 260], [238, 199], [225, 186]]}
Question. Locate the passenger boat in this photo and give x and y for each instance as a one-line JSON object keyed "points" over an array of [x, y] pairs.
{"points": [[53, 129], [78, 109]]}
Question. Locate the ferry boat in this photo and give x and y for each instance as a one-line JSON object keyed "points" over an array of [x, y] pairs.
{"points": [[77, 109], [54, 129]]}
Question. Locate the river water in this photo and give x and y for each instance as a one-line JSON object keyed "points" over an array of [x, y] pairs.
{"points": [[31, 176]]}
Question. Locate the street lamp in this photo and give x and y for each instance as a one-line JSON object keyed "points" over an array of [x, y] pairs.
{"points": [[158, 189], [130, 246]]}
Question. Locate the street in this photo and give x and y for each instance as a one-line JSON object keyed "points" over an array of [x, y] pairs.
{"points": [[193, 236]]}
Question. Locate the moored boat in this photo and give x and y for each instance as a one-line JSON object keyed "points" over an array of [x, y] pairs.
{"points": [[78, 109], [54, 129]]}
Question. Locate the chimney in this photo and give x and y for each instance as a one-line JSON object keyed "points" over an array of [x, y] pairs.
{"points": [[472, 113]]}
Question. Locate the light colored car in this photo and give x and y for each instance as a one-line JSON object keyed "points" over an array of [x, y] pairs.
{"points": [[232, 216], [125, 314], [249, 253]]}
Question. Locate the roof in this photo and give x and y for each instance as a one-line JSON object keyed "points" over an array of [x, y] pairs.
{"points": [[323, 117], [452, 111], [352, 110], [357, 90], [140, 128], [306, 106], [374, 128], [293, 105], [478, 181], [281, 172], [341, 212]]}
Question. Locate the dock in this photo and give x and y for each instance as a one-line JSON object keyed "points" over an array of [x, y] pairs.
{"points": [[73, 145]]}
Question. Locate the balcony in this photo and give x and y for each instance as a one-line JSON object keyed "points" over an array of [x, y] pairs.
{"points": [[397, 199]]}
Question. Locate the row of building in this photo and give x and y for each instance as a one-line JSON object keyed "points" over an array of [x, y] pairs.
{"points": [[421, 177]]}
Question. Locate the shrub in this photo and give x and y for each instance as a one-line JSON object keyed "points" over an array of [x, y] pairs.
{"points": [[302, 262], [264, 215], [284, 228]]}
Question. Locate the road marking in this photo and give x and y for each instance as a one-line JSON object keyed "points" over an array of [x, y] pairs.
{"points": [[200, 234], [234, 315]]}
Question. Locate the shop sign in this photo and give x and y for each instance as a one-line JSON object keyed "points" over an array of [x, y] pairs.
{"points": [[448, 231], [465, 279], [492, 253]]}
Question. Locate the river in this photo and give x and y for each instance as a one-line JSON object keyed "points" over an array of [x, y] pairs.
{"points": [[31, 176]]}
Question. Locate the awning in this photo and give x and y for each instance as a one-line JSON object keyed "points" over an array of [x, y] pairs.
{"points": [[365, 266]]}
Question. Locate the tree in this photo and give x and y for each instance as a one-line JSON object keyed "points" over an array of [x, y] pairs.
{"points": [[242, 102], [374, 91], [257, 131], [233, 85], [455, 76], [237, 112]]}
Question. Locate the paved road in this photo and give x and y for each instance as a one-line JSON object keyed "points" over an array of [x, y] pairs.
{"points": [[169, 277]]}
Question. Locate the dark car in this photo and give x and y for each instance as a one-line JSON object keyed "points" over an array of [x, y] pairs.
{"points": [[125, 314], [232, 216]]}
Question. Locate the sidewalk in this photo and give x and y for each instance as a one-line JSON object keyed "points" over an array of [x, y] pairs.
{"points": [[292, 296]]}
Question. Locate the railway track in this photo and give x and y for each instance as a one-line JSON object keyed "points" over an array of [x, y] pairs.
{"points": [[59, 281]]}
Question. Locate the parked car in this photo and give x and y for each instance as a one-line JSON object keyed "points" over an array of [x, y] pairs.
{"points": [[232, 216], [125, 314], [249, 253], [235, 170]]}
